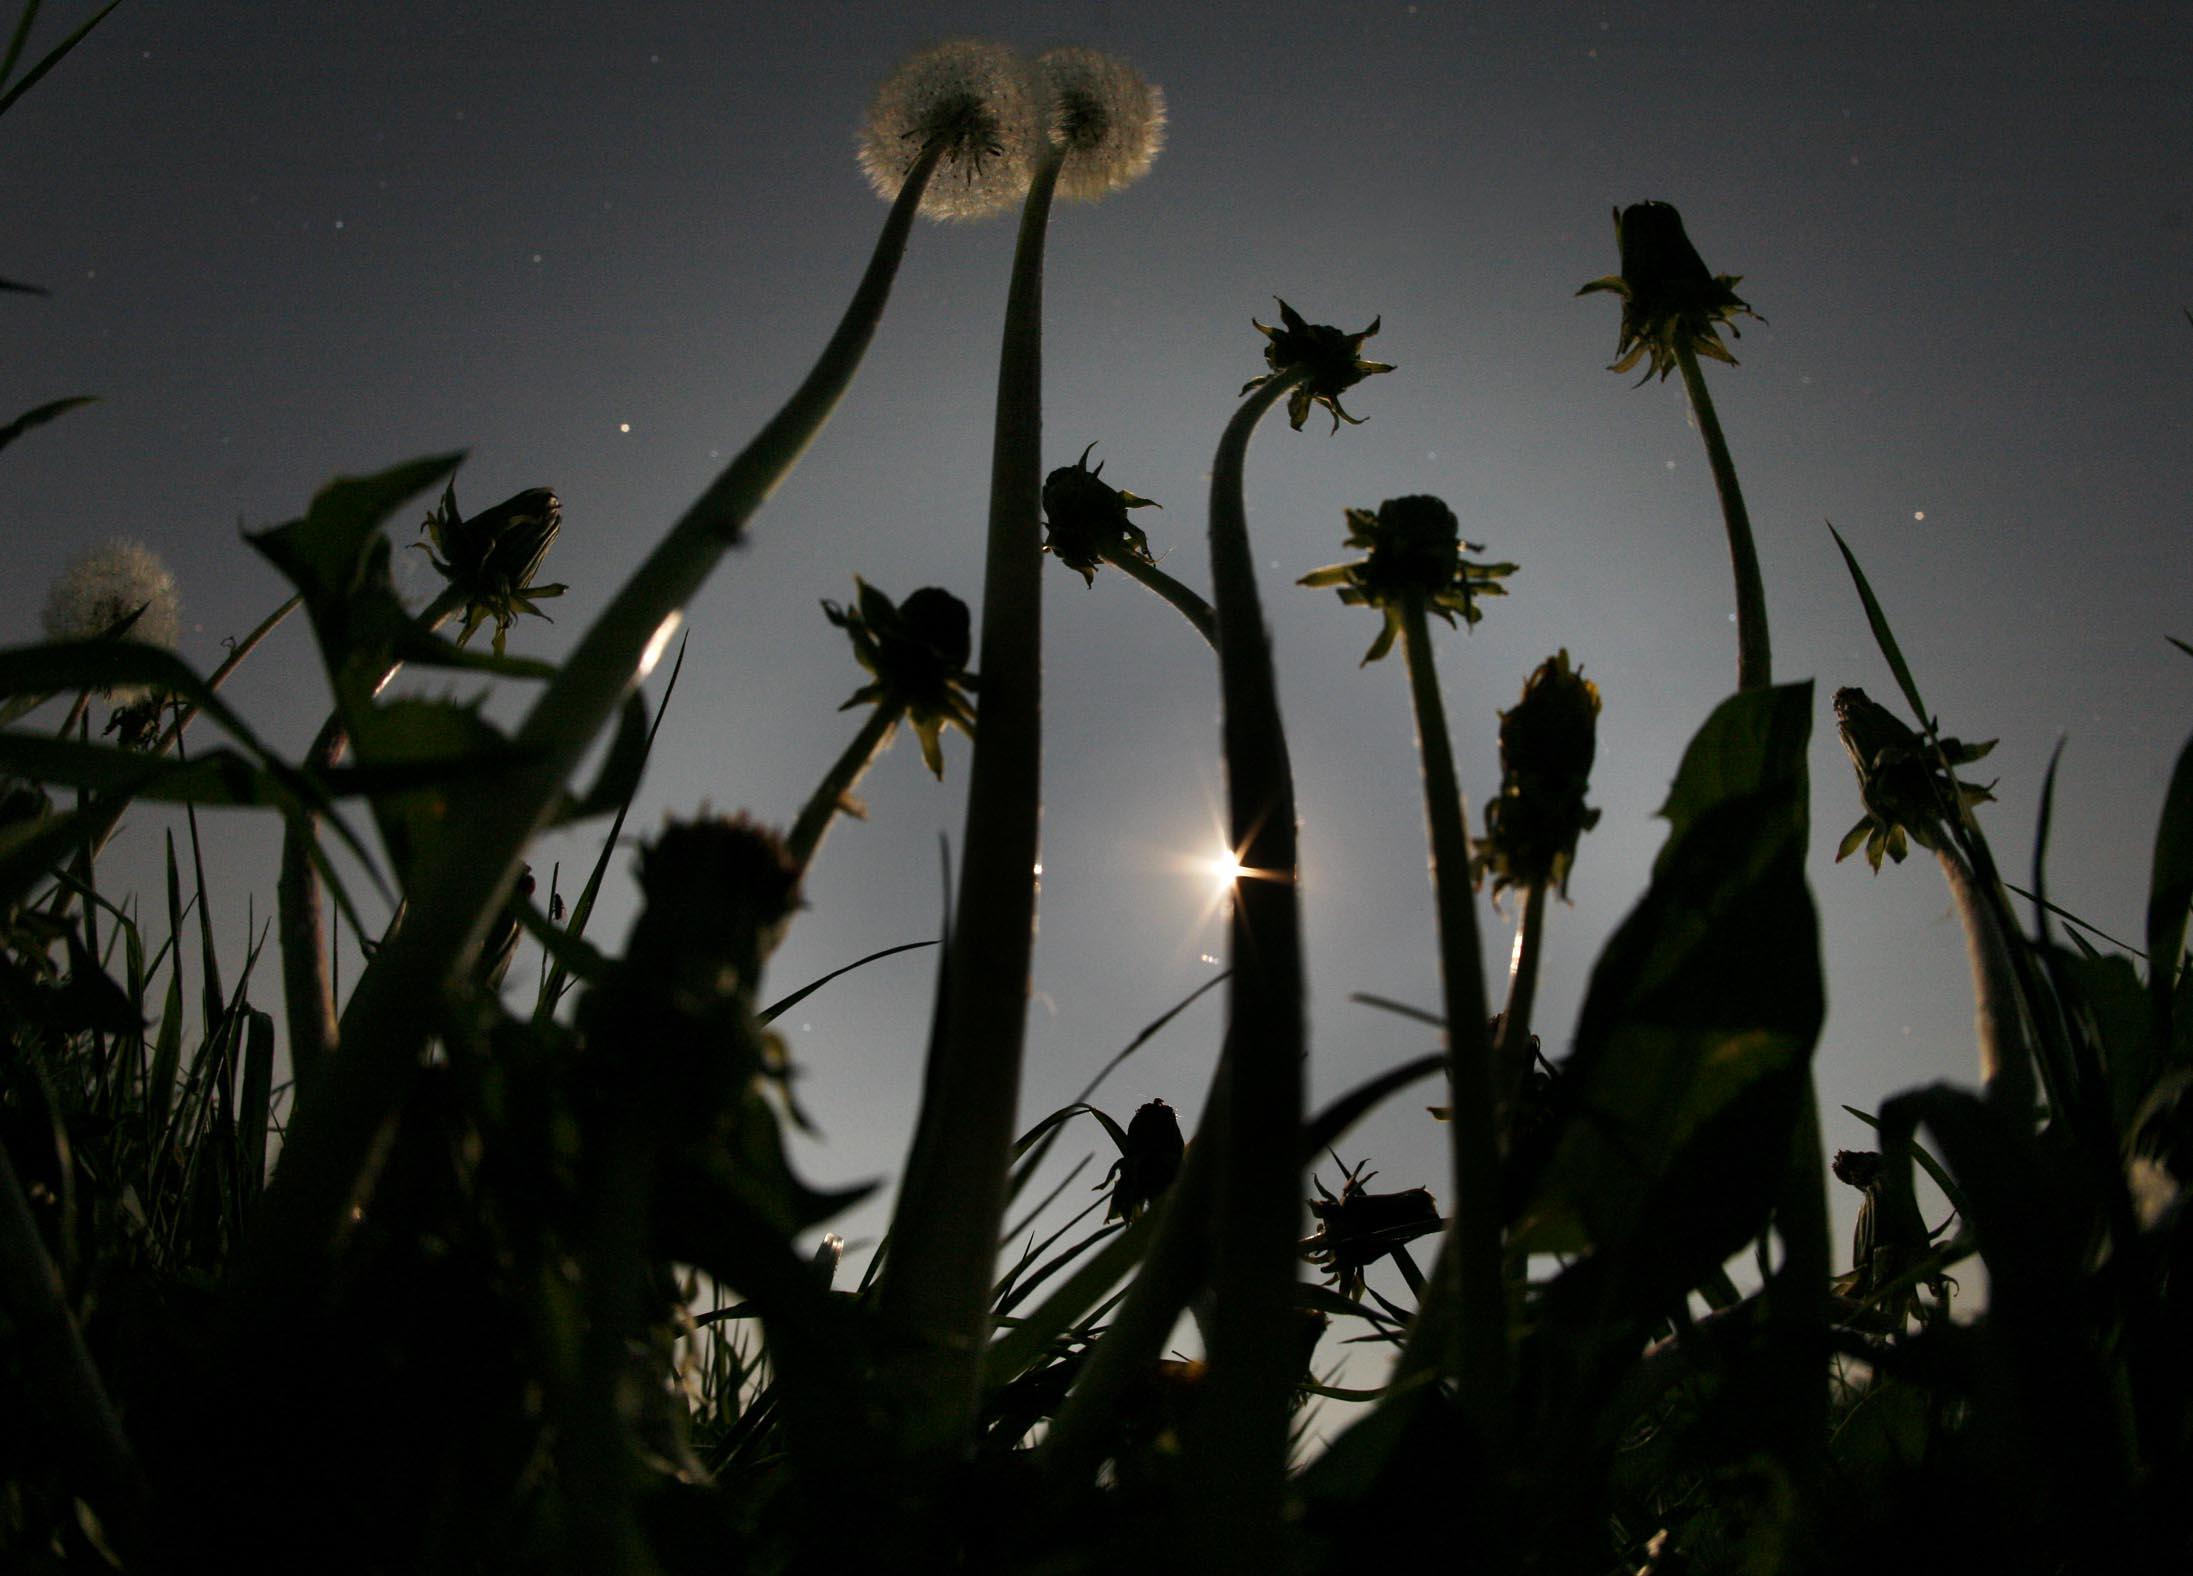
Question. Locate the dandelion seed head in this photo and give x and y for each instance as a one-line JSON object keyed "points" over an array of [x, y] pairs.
{"points": [[980, 99], [1108, 118], [106, 584]]}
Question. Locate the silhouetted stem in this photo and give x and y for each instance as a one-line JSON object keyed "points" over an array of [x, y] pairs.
{"points": [[1192, 606], [1479, 1357], [2006, 1059], [1242, 1456], [1511, 1052], [829, 796], [328, 1156], [936, 1289], [1754, 652]]}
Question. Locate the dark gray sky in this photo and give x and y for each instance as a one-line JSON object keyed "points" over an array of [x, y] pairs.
{"points": [[596, 249]]}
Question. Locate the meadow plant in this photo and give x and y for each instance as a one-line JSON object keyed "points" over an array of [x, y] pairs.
{"points": [[481, 1290]]}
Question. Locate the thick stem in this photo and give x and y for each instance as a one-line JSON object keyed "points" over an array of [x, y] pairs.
{"points": [[1242, 1456], [1192, 606], [944, 1233], [1754, 652], [829, 796], [1511, 1052], [2006, 1057], [1478, 1330], [328, 1157]]}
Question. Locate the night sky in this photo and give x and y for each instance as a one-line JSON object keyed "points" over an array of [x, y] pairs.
{"points": [[596, 248]]}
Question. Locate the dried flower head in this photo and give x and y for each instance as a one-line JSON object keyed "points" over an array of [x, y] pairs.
{"points": [[1415, 546], [1149, 1162], [714, 893], [1547, 742], [1084, 518], [1901, 780], [918, 651], [1668, 297], [492, 558], [120, 589], [980, 102], [1334, 360], [1357, 1229], [1107, 118]]}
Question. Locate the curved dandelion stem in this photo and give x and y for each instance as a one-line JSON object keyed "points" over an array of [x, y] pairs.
{"points": [[2006, 1059], [828, 798], [327, 1158], [1184, 598], [1754, 652], [1511, 1053]]}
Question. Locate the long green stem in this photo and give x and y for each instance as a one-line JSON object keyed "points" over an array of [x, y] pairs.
{"points": [[1479, 1358], [1254, 1341], [828, 798], [1192, 607], [327, 1159], [1511, 1052], [2006, 1057], [944, 1233], [1754, 652]]}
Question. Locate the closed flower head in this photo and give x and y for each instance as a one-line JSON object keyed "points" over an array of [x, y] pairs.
{"points": [[1901, 780], [1332, 361], [1547, 742], [979, 103], [493, 557], [1415, 551], [1086, 520], [1669, 299], [1109, 122], [120, 589], [917, 652]]}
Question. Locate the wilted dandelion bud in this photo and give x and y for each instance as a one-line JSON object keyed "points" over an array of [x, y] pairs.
{"points": [[1357, 1229], [1107, 119], [1084, 518], [976, 99], [1668, 296], [492, 557], [918, 651], [1147, 1166], [1900, 780], [119, 588], [714, 892], [1334, 360], [1415, 546], [1547, 742]]}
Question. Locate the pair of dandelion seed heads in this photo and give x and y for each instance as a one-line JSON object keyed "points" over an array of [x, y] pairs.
{"points": [[995, 113]]}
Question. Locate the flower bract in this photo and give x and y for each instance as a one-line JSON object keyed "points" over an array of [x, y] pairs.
{"points": [[980, 101], [1107, 119], [492, 557], [1415, 546], [1901, 780], [1085, 518], [1334, 361], [917, 651], [1669, 299]]}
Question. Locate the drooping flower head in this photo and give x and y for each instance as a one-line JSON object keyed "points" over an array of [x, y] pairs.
{"points": [[1901, 782], [119, 589], [1085, 518], [1357, 1229], [918, 651], [1668, 297], [1335, 362], [492, 557], [1149, 1162], [1109, 121], [981, 102], [1416, 547], [1547, 742]]}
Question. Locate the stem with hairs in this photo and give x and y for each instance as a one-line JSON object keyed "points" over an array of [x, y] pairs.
{"points": [[1191, 606], [936, 1290], [1254, 1339], [1478, 1352], [328, 1157], [829, 796], [1511, 1052], [1754, 652]]}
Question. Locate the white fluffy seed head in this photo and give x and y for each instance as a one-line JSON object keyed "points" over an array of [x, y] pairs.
{"points": [[104, 585], [1110, 121], [981, 100]]}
